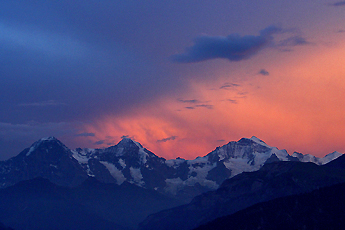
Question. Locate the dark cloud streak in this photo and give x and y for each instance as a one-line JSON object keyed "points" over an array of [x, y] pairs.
{"points": [[233, 47], [294, 41], [192, 101], [100, 142], [167, 139], [264, 72], [342, 3], [229, 86], [205, 106]]}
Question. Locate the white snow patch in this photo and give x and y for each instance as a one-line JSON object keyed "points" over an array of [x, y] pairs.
{"points": [[198, 160], [47, 139], [222, 154], [329, 157], [122, 163], [115, 172], [51, 165], [257, 140], [239, 165], [80, 157], [88, 171], [174, 162], [142, 156], [137, 176], [137, 144], [32, 148]]}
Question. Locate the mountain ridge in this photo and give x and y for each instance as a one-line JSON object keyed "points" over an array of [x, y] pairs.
{"points": [[273, 180], [130, 161]]}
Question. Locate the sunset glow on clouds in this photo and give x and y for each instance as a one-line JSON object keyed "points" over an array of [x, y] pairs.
{"points": [[297, 107], [180, 77]]}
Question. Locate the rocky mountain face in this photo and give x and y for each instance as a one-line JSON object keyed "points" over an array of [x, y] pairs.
{"points": [[47, 158], [273, 180], [129, 161]]}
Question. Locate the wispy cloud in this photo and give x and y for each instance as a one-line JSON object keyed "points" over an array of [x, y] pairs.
{"points": [[127, 136], [232, 101], [192, 101], [38, 40], [294, 41], [167, 139], [342, 3], [42, 103], [205, 106], [100, 142], [85, 135], [264, 72], [229, 85]]}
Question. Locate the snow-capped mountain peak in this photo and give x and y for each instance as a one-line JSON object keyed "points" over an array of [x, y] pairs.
{"points": [[46, 140], [51, 138], [130, 161], [259, 141], [125, 141]]}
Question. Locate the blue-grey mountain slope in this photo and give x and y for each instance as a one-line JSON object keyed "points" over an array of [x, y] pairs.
{"points": [[273, 180]]}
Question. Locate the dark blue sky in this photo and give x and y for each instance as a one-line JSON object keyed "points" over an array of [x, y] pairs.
{"points": [[89, 72]]}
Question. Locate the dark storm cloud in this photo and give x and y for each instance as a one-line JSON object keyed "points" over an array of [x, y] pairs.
{"points": [[342, 3], [264, 72], [167, 139], [233, 47]]}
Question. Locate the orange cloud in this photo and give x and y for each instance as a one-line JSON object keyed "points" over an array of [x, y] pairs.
{"points": [[299, 107]]}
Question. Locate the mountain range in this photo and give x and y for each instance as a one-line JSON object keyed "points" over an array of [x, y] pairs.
{"points": [[120, 186], [130, 161]]}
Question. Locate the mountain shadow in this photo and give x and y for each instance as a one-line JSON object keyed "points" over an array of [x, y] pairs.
{"points": [[40, 204], [321, 209]]}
